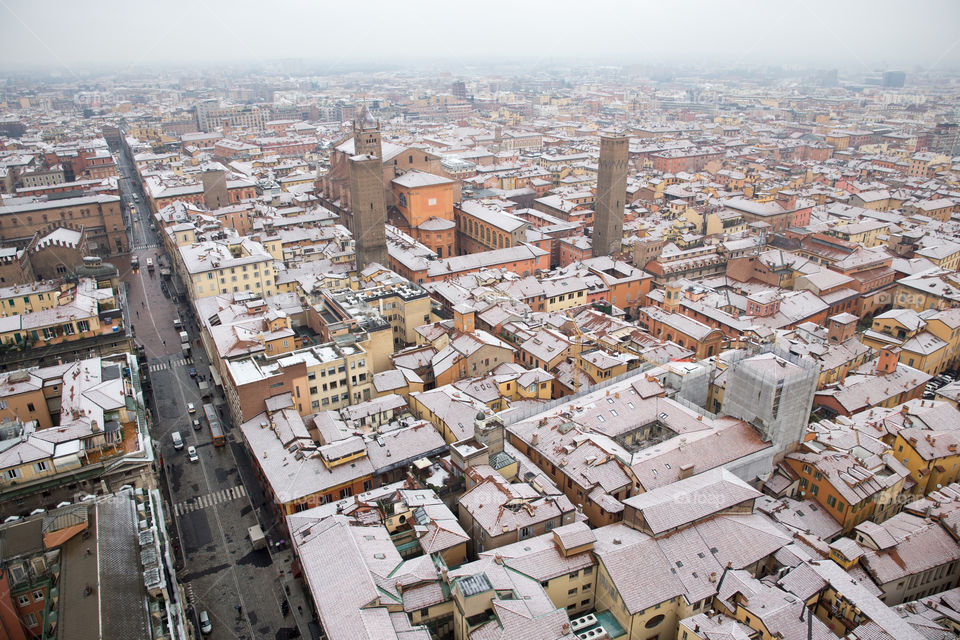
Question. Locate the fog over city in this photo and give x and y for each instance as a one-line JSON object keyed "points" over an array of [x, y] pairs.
{"points": [[74, 38], [497, 320]]}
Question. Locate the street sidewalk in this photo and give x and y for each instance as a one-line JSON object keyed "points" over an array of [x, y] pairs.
{"points": [[300, 607]]}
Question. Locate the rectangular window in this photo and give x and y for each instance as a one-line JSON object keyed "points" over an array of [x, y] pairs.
{"points": [[23, 600], [30, 619]]}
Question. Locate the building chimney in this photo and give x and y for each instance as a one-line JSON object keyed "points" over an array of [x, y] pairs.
{"points": [[887, 361], [671, 296], [841, 327], [463, 319], [787, 199]]}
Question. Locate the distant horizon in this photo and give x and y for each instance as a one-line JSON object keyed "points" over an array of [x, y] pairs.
{"points": [[303, 68], [113, 36]]}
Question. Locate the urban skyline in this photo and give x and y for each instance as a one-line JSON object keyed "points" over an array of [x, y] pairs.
{"points": [[625, 321]]}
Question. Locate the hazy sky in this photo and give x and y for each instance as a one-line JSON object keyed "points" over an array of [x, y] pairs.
{"points": [[128, 33]]}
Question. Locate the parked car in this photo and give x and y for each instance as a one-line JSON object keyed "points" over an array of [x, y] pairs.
{"points": [[192, 454], [205, 625]]}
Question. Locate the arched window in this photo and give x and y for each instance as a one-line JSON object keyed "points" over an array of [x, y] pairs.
{"points": [[654, 621]]}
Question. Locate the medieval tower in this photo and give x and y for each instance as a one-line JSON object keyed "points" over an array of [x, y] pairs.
{"points": [[611, 194], [367, 206]]}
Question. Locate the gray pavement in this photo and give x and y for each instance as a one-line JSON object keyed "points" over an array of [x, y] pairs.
{"points": [[212, 501]]}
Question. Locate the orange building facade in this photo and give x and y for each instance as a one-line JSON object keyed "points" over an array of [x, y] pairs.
{"points": [[425, 202]]}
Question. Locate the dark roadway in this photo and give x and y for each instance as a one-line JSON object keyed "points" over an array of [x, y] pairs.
{"points": [[212, 500]]}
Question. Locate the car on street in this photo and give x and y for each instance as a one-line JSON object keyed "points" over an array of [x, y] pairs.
{"points": [[193, 372], [191, 408], [192, 454], [196, 425], [205, 625]]}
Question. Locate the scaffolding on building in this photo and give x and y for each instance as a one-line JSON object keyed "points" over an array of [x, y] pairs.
{"points": [[773, 390]]}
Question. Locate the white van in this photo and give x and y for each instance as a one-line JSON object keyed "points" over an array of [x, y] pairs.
{"points": [[177, 440]]}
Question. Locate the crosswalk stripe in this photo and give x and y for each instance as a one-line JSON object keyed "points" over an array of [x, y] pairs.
{"points": [[209, 500], [176, 362]]}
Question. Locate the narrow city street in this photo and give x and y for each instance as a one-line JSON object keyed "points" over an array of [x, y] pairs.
{"points": [[212, 501]]}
